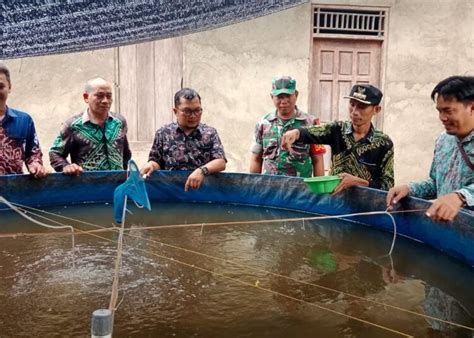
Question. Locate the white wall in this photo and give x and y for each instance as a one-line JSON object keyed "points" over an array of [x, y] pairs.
{"points": [[50, 88], [232, 68], [428, 41]]}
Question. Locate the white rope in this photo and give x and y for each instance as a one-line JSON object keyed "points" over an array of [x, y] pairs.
{"points": [[303, 219], [271, 273], [394, 233], [14, 208]]}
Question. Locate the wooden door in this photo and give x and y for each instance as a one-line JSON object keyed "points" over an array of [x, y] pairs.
{"points": [[148, 76], [338, 64]]}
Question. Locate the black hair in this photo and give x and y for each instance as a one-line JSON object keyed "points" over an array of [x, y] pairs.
{"points": [[4, 70], [456, 87], [187, 93]]}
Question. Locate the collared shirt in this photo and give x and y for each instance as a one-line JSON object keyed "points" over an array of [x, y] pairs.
{"points": [[276, 160], [91, 146], [370, 158], [18, 142], [174, 150], [449, 171]]}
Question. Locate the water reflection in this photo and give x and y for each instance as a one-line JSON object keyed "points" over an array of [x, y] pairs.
{"points": [[162, 297]]}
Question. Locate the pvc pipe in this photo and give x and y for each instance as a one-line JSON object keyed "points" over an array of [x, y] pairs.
{"points": [[101, 326]]}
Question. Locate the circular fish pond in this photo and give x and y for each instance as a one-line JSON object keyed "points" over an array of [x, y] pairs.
{"points": [[200, 265]]}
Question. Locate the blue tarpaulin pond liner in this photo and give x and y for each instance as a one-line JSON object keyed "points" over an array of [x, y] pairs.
{"points": [[456, 238], [33, 28]]}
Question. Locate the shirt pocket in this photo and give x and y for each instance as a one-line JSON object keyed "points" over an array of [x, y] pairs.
{"points": [[270, 148], [205, 144], [299, 152], [371, 166], [19, 141], [18, 134]]}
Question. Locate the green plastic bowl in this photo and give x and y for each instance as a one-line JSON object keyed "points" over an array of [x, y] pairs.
{"points": [[322, 184]]}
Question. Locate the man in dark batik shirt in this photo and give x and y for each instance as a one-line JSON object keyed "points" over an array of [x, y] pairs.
{"points": [[18, 140], [95, 139], [361, 154], [187, 144]]}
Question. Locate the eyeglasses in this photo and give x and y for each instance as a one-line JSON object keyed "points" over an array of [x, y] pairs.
{"points": [[189, 112]]}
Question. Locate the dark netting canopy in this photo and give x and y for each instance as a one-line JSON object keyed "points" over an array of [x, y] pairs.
{"points": [[32, 28], [455, 238]]}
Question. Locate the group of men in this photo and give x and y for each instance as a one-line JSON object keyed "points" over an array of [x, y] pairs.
{"points": [[287, 142]]}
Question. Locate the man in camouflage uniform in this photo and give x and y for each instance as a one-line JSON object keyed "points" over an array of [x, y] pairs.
{"points": [[187, 144], [267, 155]]}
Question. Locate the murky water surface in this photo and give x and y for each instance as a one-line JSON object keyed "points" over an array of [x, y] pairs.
{"points": [[293, 279]]}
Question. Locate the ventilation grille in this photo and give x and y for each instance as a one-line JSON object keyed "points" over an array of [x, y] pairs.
{"points": [[348, 22]]}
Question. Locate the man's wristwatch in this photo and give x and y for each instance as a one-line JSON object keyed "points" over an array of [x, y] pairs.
{"points": [[204, 170]]}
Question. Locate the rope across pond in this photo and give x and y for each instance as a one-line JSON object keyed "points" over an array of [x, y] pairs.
{"points": [[301, 219]]}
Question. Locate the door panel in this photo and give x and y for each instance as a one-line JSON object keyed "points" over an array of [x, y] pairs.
{"points": [[338, 64], [149, 74]]}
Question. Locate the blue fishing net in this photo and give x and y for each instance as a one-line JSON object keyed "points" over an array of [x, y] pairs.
{"points": [[134, 188]]}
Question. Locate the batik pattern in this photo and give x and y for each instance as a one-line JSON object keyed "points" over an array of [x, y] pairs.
{"points": [[370, 158], [449, 171], [18, 142], [91, 146], [174, 150]]}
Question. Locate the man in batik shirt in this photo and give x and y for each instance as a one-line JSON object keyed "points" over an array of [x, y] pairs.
{"points": [[451, 179], [267, 154], [18, 140], [187, 144], [361, 154], [95, 139]]}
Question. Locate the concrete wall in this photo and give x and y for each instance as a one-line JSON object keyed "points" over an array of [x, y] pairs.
{"points": [[428, 41], [50, 88], [232, 68]]}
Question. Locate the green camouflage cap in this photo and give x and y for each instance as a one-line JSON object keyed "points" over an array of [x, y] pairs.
{"points": [[283, 85]]}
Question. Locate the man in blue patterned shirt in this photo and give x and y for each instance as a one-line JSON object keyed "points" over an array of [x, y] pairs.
{"points": [[451, 178], [19, 143], [187, 144]]}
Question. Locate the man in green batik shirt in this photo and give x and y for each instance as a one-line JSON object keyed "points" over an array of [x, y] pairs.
{"points": [[95, 139], [361, 154]]}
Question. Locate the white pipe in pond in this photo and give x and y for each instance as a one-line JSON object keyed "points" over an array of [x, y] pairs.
{"points": [[101, 326]]}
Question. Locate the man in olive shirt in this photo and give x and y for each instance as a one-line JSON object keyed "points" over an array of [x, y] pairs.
{"points": [[361, 154]]}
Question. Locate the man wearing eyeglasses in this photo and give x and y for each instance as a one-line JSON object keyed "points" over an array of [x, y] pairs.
{"points": [[361, 154], [451, 178], [187, 144], [267, 155]]}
